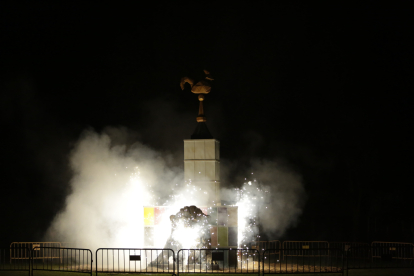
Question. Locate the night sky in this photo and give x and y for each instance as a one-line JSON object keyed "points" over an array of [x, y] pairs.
{"points": [[325, 88]]}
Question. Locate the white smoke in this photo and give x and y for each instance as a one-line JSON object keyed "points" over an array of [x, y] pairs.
{"points": [[111, 184], [271, 196], [113, 179], [285, 198]]}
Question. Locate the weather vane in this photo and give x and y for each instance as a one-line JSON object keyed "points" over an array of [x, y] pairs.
{"points": [[202, 87]]}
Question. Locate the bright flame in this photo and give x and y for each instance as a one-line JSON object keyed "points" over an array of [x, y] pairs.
{"points": [[247, 212], [188, 237]]}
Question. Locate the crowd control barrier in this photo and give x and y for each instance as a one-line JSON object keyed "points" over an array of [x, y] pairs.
{"points": [[135, 260], [17, 254], [380, 255], [19, 264], [223, 260], [321, 260], [302, 248], [62, 259]]}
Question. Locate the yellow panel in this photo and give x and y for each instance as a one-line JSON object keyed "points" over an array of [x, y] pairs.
{"points": [[148, 215], [232, 219], [222, 236]]}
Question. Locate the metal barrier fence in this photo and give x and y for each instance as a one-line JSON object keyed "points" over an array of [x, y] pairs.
{"points": [[264, 245], [135, 260], [380, 256], [344, 246], [393, 250], [223, 260], [303, 248], [321, 260], [6, 263], [299, 257], [62, 259], [16, 254]]}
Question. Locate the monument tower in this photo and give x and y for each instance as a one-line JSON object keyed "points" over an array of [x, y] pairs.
{"points": [[201, 170], [202, 151]]}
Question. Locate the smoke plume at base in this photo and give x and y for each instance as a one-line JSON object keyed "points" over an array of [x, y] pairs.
{"points": [[111, 184], [113, 180]]}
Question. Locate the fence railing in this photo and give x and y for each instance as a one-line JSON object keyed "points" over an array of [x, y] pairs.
{"points": [[321, 260], [135, 260], [296, 257], [393, 250], [9, 264], [344, 246], [16, 254], [62, 259], [303, 248], [264, 245], [378, 255], [223, 260]]}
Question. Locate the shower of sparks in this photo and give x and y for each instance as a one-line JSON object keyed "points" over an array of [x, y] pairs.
{"points": [[250, 195], [187, 236]]}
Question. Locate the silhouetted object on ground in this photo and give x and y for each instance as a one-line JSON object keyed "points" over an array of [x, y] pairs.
{"points": [[188, 217]]}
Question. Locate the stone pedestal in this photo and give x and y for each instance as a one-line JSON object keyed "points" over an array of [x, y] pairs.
{"points": [[202, 168]]}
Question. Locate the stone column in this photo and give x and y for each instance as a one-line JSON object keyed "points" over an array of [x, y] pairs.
{"points": [[202, 168]]}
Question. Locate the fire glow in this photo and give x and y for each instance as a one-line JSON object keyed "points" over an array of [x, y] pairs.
{"points": [[188, 236], [112, 184]]}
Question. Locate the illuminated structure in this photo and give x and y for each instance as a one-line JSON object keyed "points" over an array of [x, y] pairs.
{"points": [[202, 173], [202, 168], [202, 152]]}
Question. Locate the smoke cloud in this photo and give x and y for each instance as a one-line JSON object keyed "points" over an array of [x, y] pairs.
{"points": [[284, 198], [270, 197], [111, 183], [114, 177]]}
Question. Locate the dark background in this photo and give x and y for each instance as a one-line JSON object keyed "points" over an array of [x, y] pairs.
{"points": [[326, 87]]}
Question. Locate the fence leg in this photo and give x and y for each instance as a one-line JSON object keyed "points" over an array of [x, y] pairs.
{"points": [[174, 260], [346, 262], [30, 263]]}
